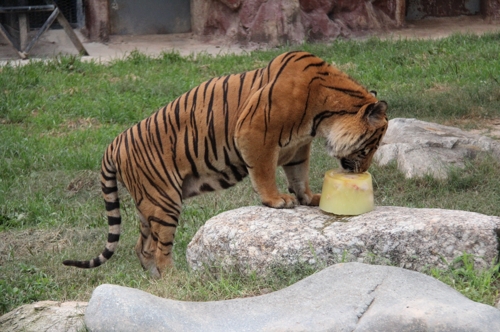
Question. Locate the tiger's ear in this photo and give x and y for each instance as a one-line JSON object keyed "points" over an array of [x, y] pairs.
{"points": [[373, 93], [375, 114]]}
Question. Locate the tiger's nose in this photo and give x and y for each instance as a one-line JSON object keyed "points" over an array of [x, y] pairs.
{"points": [[347, 165]]}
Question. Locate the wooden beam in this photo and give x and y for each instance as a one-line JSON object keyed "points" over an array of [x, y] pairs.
{"points": [[71, 34], [27, 9], [23, 49], [44, 28], [9, 39]]}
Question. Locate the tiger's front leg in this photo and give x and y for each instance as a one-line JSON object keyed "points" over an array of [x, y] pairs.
{"points": [[297, 173], [262, 172], [264, 182]]}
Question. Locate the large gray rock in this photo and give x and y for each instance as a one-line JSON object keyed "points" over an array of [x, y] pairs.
{"points": [[344, 297], [256, 238], [45, 316], [421, 148]]}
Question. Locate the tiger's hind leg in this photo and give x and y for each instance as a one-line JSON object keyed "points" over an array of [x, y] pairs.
{"points": [[156, 239], [146, 247]]}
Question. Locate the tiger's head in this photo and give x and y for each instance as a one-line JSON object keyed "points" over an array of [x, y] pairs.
{"points": [[354, 140], [350, 117]]}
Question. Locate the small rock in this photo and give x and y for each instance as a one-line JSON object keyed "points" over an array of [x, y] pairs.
{"points": [[45, 316], [422, 148]]}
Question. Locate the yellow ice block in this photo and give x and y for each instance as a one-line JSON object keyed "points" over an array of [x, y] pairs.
{"points": [[347, 193]]}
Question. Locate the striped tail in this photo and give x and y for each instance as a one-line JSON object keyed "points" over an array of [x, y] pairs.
{"points": [[110, 194]]}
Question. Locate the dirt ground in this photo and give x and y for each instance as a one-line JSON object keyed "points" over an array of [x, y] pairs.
{"points": [[55, 42]]}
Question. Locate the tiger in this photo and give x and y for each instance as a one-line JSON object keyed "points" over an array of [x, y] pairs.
{"points": [[226, 128]]}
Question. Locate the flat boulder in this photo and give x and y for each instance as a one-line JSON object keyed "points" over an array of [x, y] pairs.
{"points": [[45, 316], [424, 148], [343, 297], [257, 238]]}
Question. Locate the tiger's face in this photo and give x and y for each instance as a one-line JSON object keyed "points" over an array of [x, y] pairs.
{"points": [[354, 141]]}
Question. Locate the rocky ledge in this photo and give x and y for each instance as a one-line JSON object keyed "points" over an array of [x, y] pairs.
{"points": [[343, 297], [256, 238]]}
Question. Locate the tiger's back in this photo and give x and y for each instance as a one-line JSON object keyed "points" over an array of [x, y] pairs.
{"points": [[193, 135], [214, 135]]}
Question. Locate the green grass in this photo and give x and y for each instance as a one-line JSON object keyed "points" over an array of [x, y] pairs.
{"points": [[481, 286], [56, 119]]}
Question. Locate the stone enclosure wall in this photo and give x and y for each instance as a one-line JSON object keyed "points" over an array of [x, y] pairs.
{"points": [[294, 21]]}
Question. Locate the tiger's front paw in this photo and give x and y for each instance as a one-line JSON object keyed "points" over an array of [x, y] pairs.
{"points": [[315, 200], [283, 201], [308, 198]]}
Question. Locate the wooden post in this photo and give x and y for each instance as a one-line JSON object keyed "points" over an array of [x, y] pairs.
{"points": [[400, 13], [97, 20], [23, 30]]}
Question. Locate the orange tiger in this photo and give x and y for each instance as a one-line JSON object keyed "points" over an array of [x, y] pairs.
{"points": [[229, 127]]}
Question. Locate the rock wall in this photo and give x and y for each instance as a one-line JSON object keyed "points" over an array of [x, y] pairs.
{"points": [[294, 21], [285, 21], [491, 9]]}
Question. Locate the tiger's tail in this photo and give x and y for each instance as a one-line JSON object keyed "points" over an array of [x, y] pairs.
{"points": [[110, 193]]}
